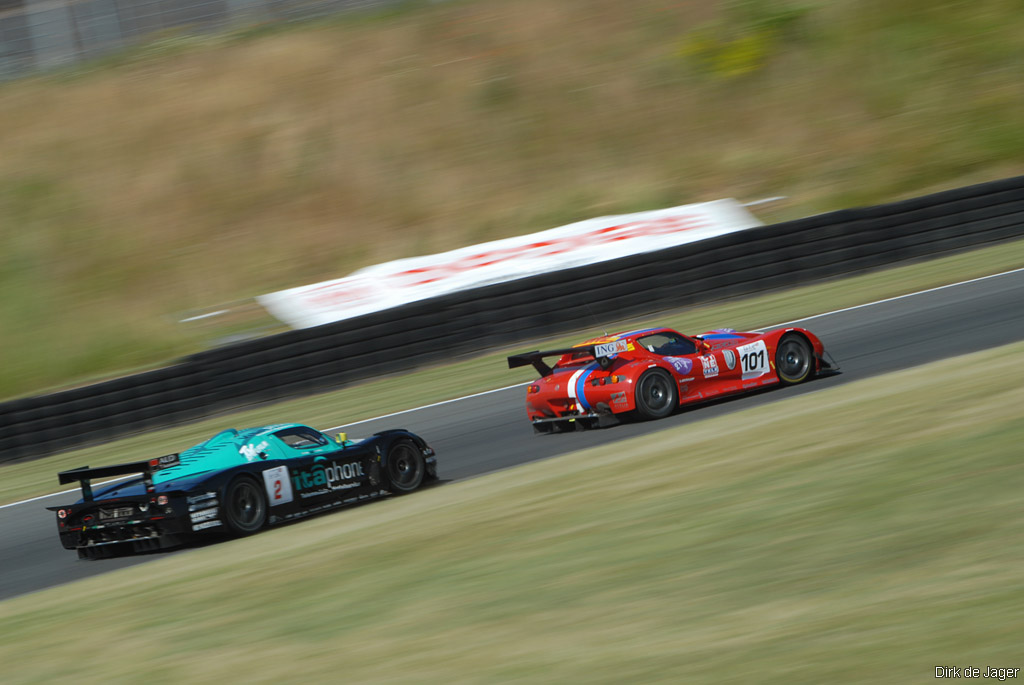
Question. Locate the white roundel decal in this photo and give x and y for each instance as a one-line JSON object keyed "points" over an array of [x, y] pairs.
{"points": [[278, 484], [753, 359], [730, 359]]}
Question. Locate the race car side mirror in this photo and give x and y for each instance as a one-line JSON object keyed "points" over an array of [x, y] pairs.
{"points": [[340, 438]]}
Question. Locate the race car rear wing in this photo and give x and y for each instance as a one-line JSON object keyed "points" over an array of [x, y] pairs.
{"points": [[84, 474], [603, 353]]}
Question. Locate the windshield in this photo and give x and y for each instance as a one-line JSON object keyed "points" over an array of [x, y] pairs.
{"points": [[301, 437], [667, 344]]}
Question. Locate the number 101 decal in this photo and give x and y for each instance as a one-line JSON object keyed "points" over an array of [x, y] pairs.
{"points": [[753, 359], [279, 486]]}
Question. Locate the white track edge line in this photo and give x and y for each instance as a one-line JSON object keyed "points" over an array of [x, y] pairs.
{"points": [[517, 385], [429, 406], [892, 299]]}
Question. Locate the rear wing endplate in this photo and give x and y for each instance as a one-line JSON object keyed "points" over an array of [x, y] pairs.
{"points": [[603, 353], [84, 474]]}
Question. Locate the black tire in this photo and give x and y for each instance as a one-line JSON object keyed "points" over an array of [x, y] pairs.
{"points": [[656, 395], [794, 359], [244, 507], [406, 467]]}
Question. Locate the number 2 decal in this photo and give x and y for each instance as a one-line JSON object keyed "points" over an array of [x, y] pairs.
{"points": [[278, 484], [753, 359]]}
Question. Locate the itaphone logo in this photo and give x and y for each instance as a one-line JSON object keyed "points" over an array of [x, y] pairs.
{"points": [[329, 477]]}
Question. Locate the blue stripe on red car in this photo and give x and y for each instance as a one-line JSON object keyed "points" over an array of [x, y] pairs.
{"points": [[631, 334], [581, 386]]}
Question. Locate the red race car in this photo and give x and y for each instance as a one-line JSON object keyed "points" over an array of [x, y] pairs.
{"points": [[649, 373]]}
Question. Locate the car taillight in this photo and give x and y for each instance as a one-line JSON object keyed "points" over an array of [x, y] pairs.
{"points": [[62, 513], [532, 389], [162, 499]]}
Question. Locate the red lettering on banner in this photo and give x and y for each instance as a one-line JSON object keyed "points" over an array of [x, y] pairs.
{"points": [[340, 294], [637, 229], [347, 293], [588, 242]]}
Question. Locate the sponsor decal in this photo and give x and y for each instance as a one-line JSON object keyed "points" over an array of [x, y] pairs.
{"points": [[252, 452], [753, 359], [196, 506], [164, 462], [204, 515], [730, 359], [192, 499], [608, 349], [680, 364], [710, 365], [278, 485], [619, 398], [205, 524], [320, 478]]}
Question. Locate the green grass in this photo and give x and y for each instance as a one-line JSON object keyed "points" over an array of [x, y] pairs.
{"points": [[198, 171], [866, 532], [395, 393]]}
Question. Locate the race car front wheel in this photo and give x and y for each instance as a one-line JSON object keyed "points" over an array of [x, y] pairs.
{"points": [[406, 467], [244, 508], [794, 360], [656, 395]]}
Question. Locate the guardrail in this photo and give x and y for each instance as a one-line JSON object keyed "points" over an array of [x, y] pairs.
{"points": [[327, 357]]}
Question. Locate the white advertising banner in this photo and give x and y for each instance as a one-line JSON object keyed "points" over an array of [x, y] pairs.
{"points": [[383, 286]]}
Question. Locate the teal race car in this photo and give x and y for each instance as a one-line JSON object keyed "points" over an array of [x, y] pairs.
{"points": [[234, 484]]}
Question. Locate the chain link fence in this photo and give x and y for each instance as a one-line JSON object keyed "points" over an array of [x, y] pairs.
{"points": [[46, 34]]}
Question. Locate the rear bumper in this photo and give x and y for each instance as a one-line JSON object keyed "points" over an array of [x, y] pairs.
{"points": [[561, 424], [154, 532]]}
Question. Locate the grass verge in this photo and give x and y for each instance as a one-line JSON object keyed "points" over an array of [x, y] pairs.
{"points": [[396, 393], [868, 532]]}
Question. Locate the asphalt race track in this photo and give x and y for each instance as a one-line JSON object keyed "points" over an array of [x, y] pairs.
{"points": [[490, 432]]}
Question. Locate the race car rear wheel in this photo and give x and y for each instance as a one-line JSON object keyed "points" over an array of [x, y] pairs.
{"points": [[406, 467], [656, 395], [794, 360], [244, 508]]}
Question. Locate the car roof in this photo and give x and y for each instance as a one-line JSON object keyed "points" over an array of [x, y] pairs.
{"points": [[625, 335], [221, 451], [273, 428]]}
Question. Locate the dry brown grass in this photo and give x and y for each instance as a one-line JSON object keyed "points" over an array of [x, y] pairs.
{"points": [[190, 177]]}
